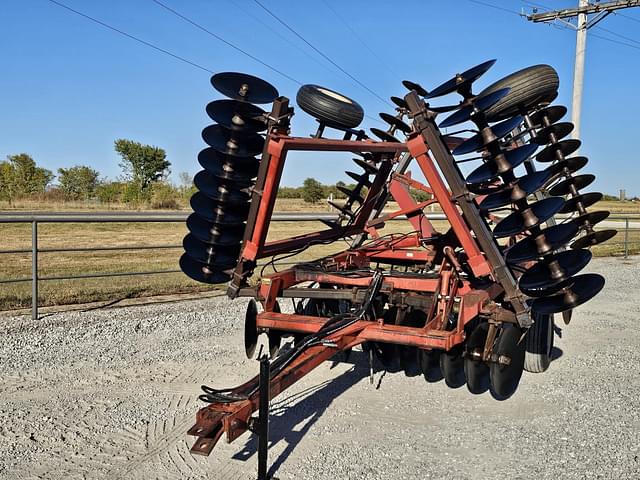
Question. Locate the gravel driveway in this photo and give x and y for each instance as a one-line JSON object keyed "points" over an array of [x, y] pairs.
{"points": [[110, 394]]}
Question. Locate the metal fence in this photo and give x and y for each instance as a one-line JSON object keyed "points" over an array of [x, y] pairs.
{"points": [[626, 224]]}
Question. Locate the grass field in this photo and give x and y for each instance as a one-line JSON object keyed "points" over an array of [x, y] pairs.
{"points": [[18, 236]]}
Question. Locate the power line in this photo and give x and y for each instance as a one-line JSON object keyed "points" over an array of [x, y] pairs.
{"points": [[491, 5], [320, 52], [132, 37], [197, 25], [618, 35], [627, 17]]}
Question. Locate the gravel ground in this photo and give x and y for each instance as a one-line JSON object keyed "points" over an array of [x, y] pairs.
{"points": [[111, 393]]}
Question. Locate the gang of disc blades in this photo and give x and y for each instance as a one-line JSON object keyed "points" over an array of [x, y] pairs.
{"points": [[462, 80], [212, 234], [202, 272], [539, 276], [557, 236], [223, 257], [586, 199], [396, 122], [225, 193], [543, 210], [221, 139], [239, 117], [400, 102], [384, 136], [553, 114], [594, 238], [567, 147], [216, 212], [529, 184], [409, 85], [579, 182], [489, 170], [579, 290], [479, 105], [559, 130], [240, 86], [476, 142]]}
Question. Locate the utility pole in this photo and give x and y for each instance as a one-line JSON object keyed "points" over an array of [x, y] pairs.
{"points": [[599, 10]]}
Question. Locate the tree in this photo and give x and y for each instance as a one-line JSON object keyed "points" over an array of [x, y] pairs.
{"points": [[20, 176], [312, 190], [78, 182], [142, 164]]}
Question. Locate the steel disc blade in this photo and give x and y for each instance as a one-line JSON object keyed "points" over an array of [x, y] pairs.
{"points": [[548, 115], [396, 122], [409, 85], [224, 192], [591, 218], [555, 237], [221, 139], [526, 185], [579, 182], [444, 108], [479, 105], [226, 169], [541, 211], [557, 130], [486, 188], [505, 378], [579, 290], [462, 80], [367, 167], [384, 136], [569, 165], [224, 257], [216, 212], [400, 102], [213, 234], [594, 238], [251, 329], [566, 147], [499, 130], [540, 276], [239, 117], [586, 199], [201, 272], [240, 86], [476, 371], [489, 170]]}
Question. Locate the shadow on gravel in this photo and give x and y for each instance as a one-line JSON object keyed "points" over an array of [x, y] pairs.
{"points": [[292, 417]]}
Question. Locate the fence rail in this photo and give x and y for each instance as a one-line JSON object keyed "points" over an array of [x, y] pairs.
{"points": [[630, 222]]}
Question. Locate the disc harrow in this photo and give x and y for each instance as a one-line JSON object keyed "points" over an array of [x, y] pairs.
{"points": [[472, 305]]}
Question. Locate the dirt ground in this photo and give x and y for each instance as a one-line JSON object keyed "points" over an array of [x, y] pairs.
{"points": [[111, 393]]}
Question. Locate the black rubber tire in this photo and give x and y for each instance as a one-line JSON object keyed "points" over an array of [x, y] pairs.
{"points": [[530, 87], [539, 343], [329, 107]]}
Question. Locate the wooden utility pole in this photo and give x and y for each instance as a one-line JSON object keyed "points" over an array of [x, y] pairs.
{"points": [[599, 10]]}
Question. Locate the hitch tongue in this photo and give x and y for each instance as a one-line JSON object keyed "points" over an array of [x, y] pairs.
{"points": [[208, 430]]}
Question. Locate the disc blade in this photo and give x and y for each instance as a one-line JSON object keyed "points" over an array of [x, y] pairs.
{"points": [[586, 199], [201, 272], [565, 147], [409, 85], [540, 276], [251, 329], [221, 191], [400, 102], [223, 257], [541, 211], [239, 117], [555, 133], [213, 234], [524, 187], [594, 238], [479, 105], [220, 139], [228, 170], [367, 167], [240, 86], [216, 212], [547, 116], [362, 178], [462, 80], [591, 218], [444, 108], [555, 237], [513, 158], [580, 289], [579, 182], [569, 165], [396, 122], [384, 136], [477, 142]]}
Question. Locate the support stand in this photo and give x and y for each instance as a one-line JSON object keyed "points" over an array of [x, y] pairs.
{"points": [[263, 418]]}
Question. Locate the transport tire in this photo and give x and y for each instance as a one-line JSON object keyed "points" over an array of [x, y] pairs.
{"points": [[539, 344], [530, 86], [329, 107]]}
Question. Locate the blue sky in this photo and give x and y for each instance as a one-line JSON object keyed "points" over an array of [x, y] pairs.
{"points": [[70, 87]]}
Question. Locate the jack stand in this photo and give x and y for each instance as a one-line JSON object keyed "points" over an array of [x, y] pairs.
{"points": [[263, 418]]}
